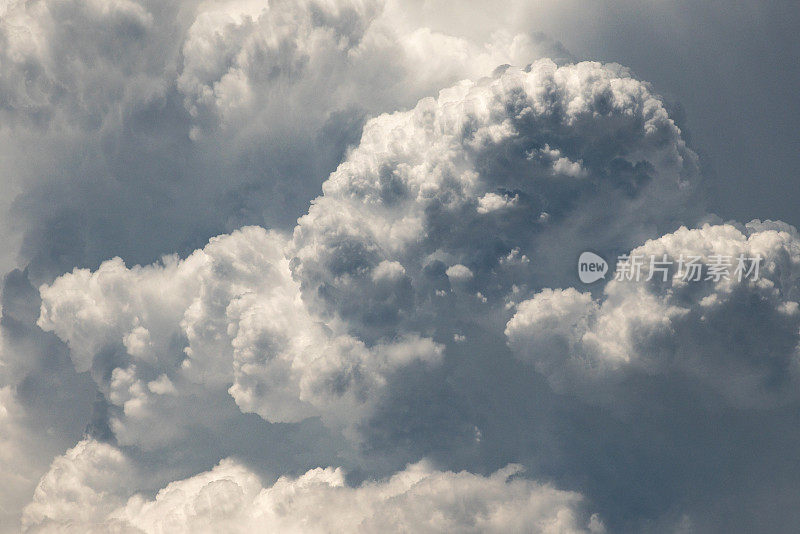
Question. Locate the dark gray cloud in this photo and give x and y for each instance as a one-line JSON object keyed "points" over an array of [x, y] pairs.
{"points": [[44, 404]]}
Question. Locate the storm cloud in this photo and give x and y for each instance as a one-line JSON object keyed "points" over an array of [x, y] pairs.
{"points": [[309, 266]]}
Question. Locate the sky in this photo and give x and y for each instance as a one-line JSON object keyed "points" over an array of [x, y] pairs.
{"points": [[312, 266]]}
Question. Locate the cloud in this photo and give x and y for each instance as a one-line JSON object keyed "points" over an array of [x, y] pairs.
{"points": [[466, 183], [156, 338], [199, 117], [233, 316], [384, 310], [81, 494], [81, 487], [737, 336], [13, 446], [134, 129], [44, 404], [422, 305], [458, 273]]}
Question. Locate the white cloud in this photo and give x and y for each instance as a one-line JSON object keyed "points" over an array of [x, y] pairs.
{"points": [[459, 273], [97, 104], [229, 316], [195, 118], [80, 489], [394, 261], [316, 326], [81, 494], [493, 202], [739, 338]]}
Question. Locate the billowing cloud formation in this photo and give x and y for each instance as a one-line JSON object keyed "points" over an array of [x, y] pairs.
{"points": [[199, 117], [80, 486], [457, 194], [135, 128], [377, 256], [157, 338], [736, 335], [75, 496], [411, 309], [438, 220], [435, 225], [252, 59]]}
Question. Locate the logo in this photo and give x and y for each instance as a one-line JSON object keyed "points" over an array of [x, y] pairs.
{"points": [[591, 267], [638, 267]]}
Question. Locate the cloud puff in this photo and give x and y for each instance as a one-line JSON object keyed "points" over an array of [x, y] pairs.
{"points": [[476, 180], [736, 336], [81, 492], [229, 316], [81, 487], [245, 60]]}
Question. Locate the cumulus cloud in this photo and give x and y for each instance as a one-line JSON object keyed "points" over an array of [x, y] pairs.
{"points": [[199, 117], [81, 487], [228, 317], [315, 326], [736, 335], [422, 305], [428, 233], [136, 128], [81, 492], [461, 188], [262, 58]]}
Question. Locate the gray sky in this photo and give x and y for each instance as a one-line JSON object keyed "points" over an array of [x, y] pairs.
{"points": [[734, 68]]}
